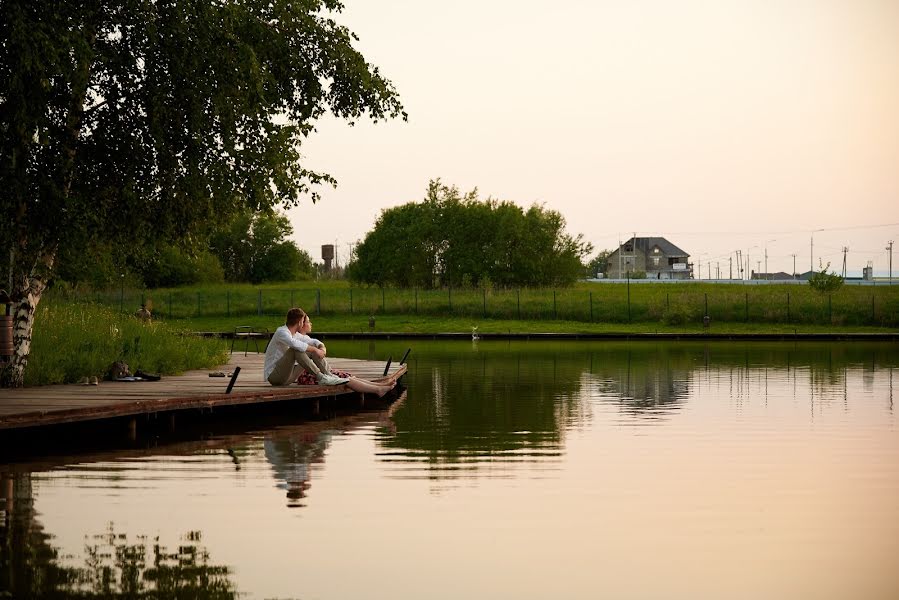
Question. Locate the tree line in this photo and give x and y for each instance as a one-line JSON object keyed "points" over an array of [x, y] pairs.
{"points": [[456, 240]]}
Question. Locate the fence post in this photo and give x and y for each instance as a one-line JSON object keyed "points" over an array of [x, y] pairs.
{"points": [[591, 307], [259, 304], [628, 296]]}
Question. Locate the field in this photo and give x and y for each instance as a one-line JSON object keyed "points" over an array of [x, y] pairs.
{"points": [[617, 304]]}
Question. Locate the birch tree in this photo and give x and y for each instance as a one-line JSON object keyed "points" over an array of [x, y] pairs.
{"points": [[149, 120]]}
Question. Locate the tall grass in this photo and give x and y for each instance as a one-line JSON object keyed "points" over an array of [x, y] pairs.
{"points": [[71, 341], [671, 304]]}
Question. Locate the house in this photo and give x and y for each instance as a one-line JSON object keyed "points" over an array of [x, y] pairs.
{"points": [[655, 256]]}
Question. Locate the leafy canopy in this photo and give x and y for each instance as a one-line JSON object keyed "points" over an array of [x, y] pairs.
{"points": [[135, 120], [451, 239]]}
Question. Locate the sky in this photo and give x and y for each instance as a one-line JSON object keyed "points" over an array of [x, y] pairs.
{"points": [[753, 125]]}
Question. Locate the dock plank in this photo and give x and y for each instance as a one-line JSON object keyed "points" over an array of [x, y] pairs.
{"points": [[45, 405]]}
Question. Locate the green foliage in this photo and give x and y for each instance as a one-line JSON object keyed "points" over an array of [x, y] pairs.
{"points": [[86, 339], [175, 267], [459, 241], [599, 263], [254, 248], [825, 282], [637, 274], [134, 123]]}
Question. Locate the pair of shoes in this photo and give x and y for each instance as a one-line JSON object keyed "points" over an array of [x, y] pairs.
{"points": [[94, 381], [84, 381], [329, 379]]}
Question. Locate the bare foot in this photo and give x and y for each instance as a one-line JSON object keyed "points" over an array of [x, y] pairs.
{"points": [[383, 389]]}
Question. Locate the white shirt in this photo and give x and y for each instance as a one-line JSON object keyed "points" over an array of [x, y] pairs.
{"points": [[281, 342]]}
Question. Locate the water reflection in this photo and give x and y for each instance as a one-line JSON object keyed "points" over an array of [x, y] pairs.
{"points": [[110, 564], [703, 450]]}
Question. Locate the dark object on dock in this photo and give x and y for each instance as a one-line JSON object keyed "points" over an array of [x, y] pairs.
{"points": [[387, 366], [233, 379], [405, 356], [147, 376]]}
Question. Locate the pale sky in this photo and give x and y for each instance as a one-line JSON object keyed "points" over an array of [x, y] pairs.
{"points": [[719, 124]]}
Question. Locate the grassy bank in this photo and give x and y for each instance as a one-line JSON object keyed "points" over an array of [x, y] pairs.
{"points": [[436, 324], [74, 340], [618, 305]]}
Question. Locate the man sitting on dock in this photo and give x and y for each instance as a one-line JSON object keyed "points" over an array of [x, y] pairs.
{"points": [[290, 352]]}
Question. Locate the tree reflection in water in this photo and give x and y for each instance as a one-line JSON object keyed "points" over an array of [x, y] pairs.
{"points": [[114, 567]]}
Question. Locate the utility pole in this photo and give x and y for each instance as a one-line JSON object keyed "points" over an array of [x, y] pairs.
{"points": [[794, 266], [730, 266], [845, 250], [811, 254], [766, 261], [717, 270], [890, 248], [758, 266], [710, 269]]}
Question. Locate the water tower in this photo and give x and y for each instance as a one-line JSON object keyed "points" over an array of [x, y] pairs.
{"points": [[327, 255]]}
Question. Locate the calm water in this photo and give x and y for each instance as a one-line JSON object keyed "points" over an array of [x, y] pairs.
{"points": [[510, 470]]}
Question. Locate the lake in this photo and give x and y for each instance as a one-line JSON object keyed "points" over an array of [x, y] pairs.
{"points": [[539, 469]]}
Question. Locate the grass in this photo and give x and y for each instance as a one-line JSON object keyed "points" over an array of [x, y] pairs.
{"points": [[71, 341], [620, 306]]}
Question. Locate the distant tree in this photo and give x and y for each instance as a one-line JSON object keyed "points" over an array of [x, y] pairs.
{"points": [[456, 240], [137, 122], [255, 248], [825, 282], [173, 267], [599, 263]]}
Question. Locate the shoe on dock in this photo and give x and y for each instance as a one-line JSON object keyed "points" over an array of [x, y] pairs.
{"points": [[329, 379]]}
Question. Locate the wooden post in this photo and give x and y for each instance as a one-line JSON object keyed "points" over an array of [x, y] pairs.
{"points": [[132, 429], [628, 296]]}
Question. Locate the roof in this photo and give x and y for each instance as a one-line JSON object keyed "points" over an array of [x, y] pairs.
{"points": [[646, 244]]}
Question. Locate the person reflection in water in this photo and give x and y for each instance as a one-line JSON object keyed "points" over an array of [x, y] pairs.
{"points": [[292, 460]]}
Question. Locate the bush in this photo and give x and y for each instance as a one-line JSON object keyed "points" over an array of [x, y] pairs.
{"points": [[825, 282], [72, 341]]}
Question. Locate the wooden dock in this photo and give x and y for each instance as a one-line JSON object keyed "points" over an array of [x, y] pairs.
{"points": [[59, 404]]}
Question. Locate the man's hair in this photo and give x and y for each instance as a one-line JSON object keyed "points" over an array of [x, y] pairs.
{"points": [[294, 316]]}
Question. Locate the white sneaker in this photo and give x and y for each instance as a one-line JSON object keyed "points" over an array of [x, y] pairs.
{"points": [[329, 379]]}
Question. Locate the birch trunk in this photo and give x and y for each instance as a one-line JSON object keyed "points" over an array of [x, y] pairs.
{"points": [[25, 301]]}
